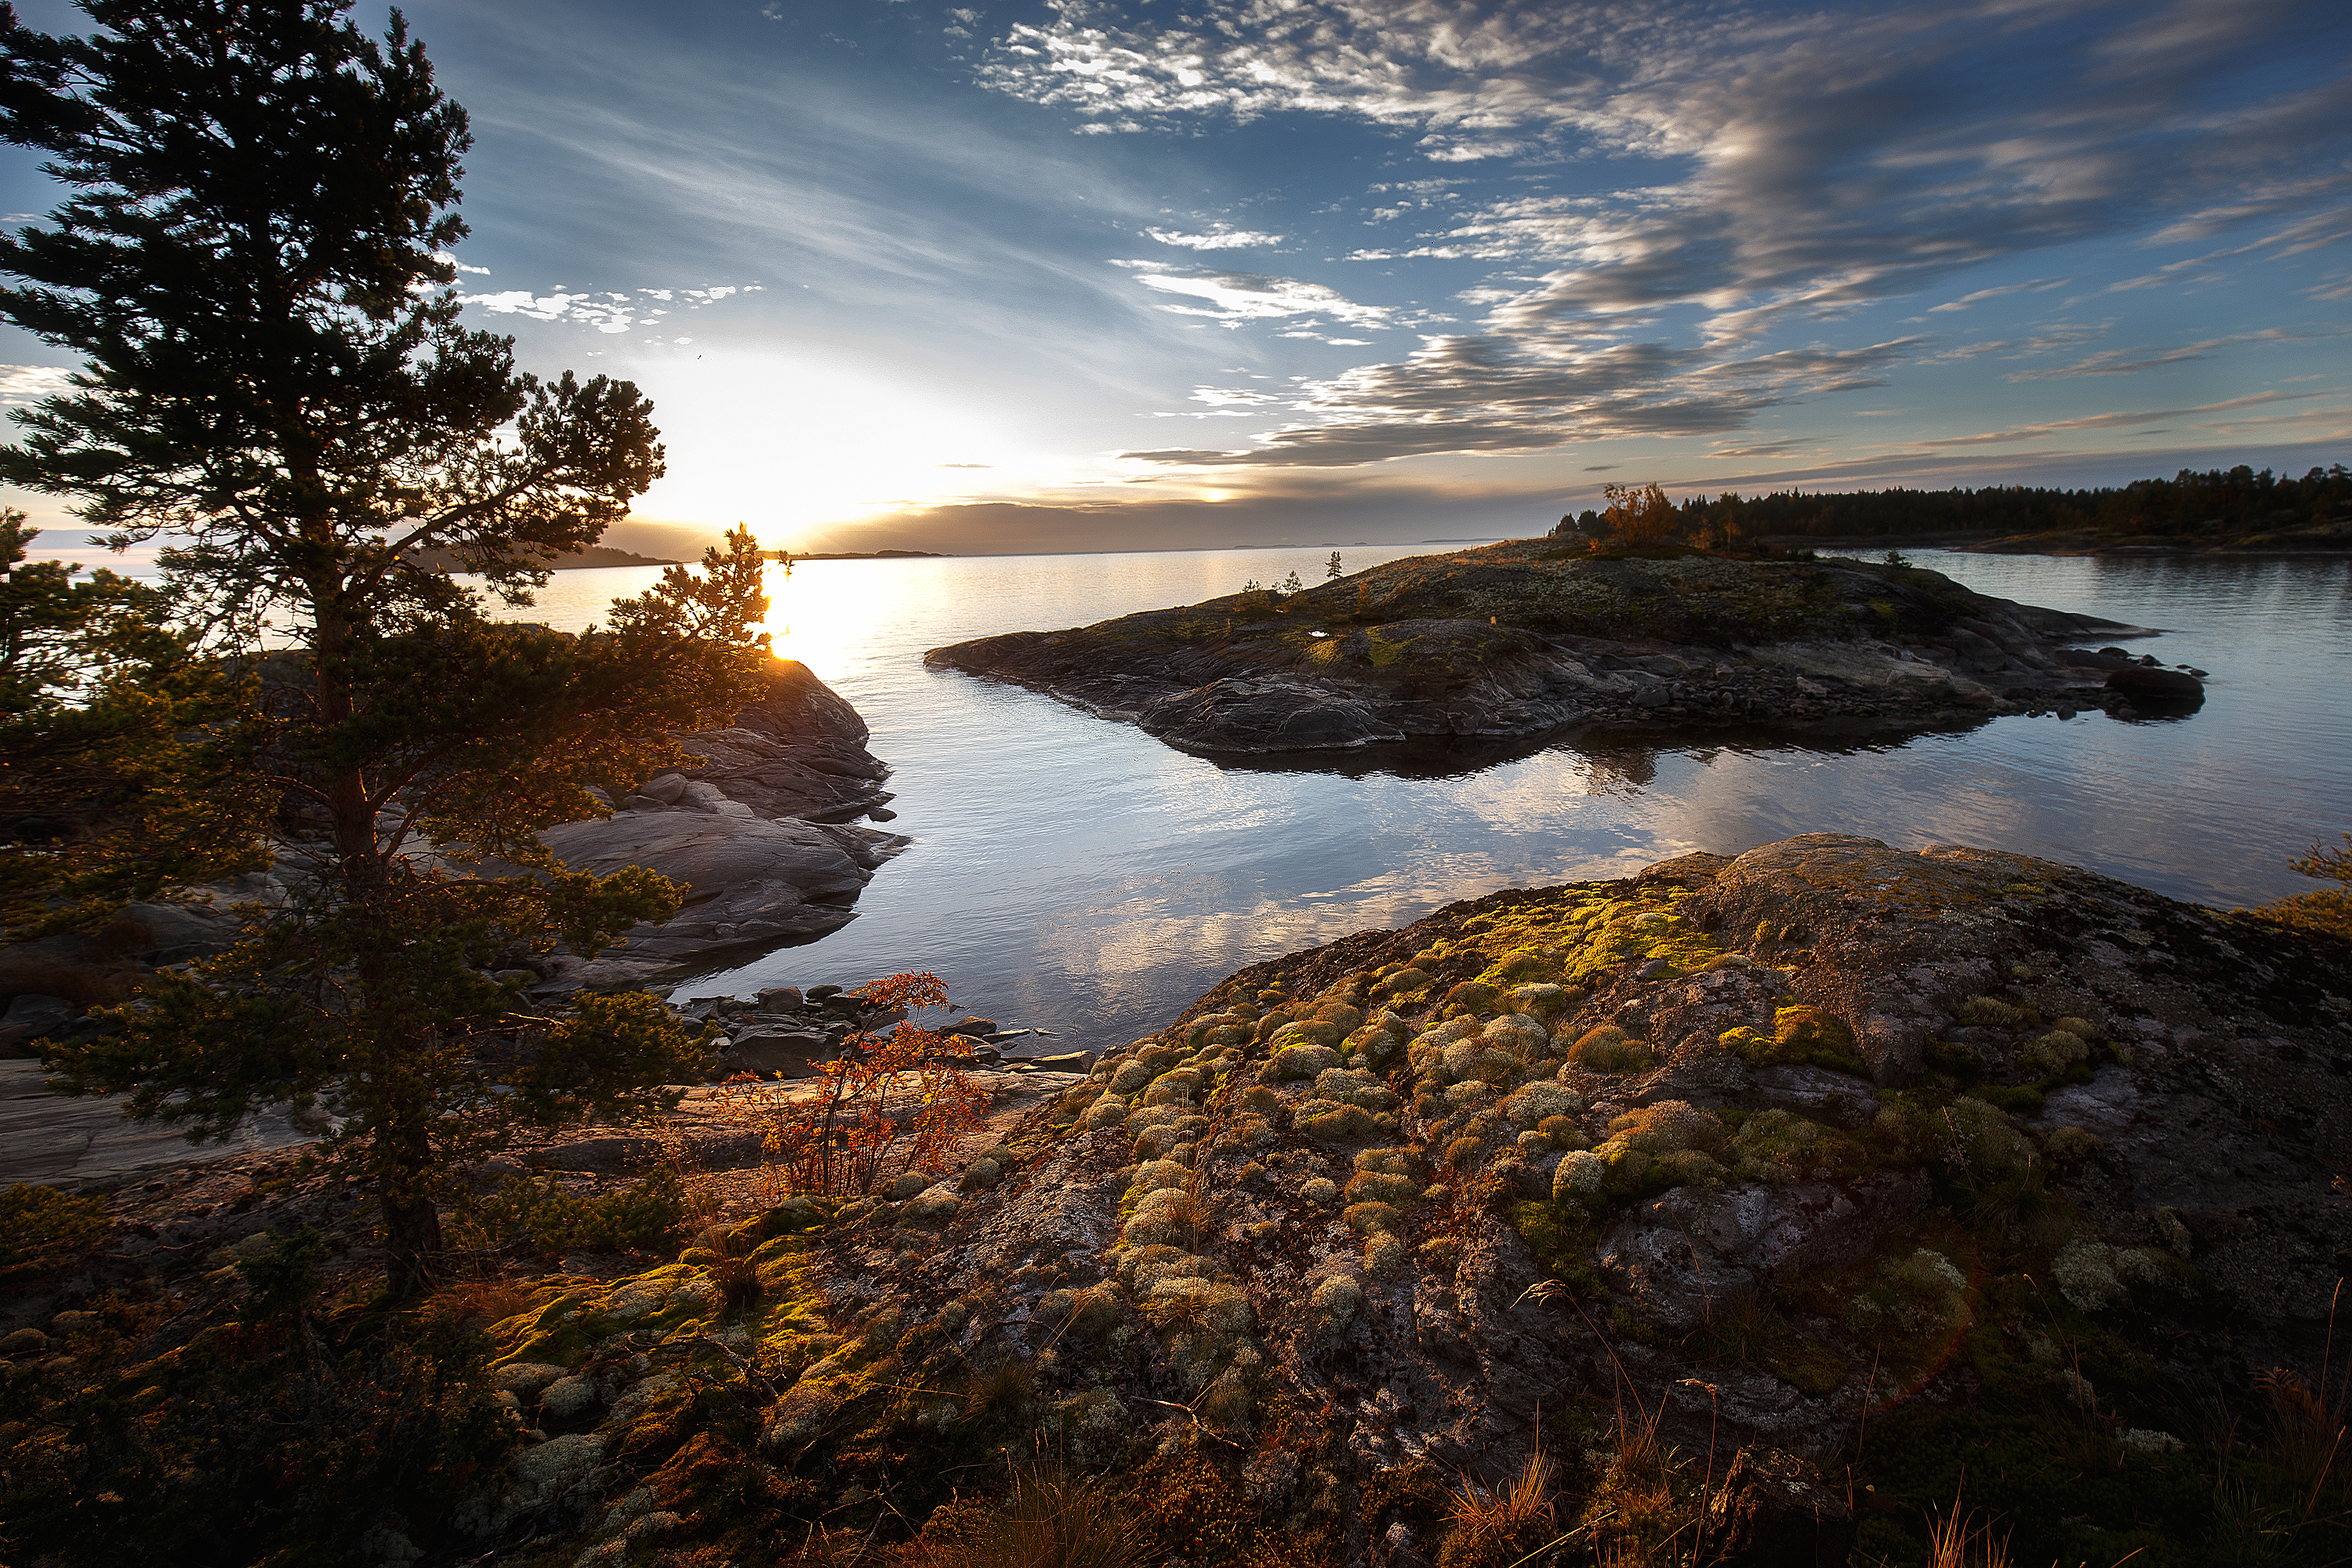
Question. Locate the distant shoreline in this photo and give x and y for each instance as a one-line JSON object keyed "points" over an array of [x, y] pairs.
{"points": [[857, 555]]}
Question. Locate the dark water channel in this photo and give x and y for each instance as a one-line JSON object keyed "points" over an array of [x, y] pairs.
{"points": [[1073, 873]]}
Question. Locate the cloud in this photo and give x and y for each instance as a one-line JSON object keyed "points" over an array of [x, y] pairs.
{"points": [[25, 383], [2113, 421], [1729, 173], [2130, 362], [607, 313], [1232, 298], [1965, 301], [448, 260], [1218, 237], [1483, 395]]}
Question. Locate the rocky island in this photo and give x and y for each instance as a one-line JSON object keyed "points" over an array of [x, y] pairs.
{"points": [[1791, 1205], [1527, 637]]}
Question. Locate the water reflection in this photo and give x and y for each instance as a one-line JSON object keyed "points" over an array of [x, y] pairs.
{"points": [[1073, 872]]}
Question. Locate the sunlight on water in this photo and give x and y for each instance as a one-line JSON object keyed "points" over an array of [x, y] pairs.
{"points": [[1076, 873]]}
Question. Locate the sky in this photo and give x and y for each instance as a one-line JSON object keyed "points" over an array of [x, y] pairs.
{"points": [[1130, 274]]}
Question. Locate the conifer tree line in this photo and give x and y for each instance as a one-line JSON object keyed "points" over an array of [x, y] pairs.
{"points": [[251, 263], [2218, 501]]}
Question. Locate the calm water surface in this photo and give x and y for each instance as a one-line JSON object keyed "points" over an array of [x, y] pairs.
{"points": [[1073, 873]]}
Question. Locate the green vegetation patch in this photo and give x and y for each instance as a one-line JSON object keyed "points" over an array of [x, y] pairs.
{"points": [[1575, 936], [1561, 1236], [1802, 1035], [1755, 1336], [539, 1212], [41, 1228]]}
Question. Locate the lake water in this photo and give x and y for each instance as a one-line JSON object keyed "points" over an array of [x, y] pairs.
{"points": [[1073, 873]]}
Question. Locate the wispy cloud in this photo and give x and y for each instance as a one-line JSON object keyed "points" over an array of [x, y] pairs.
{"points": [[2130, 362], [1232, 298], [1217, 238], [25, 383], [1476, 394], [2118, 421], [606, 312], [1981, 295]]}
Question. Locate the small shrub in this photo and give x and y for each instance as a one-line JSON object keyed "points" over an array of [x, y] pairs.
{"points": [[2071, 1145], [2327, 911], [539, 1215], [1470, 996], [1992, 1012], [2054, 1055], [1608, 1050], [41, 1226]]}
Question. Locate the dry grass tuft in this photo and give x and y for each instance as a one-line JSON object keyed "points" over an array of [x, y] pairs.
{"points": [[1050, 1520], [738, 1279], [1955, 1540], [1496, 1529], [472, 1304], [2307, 1431], [1003, 1389]]}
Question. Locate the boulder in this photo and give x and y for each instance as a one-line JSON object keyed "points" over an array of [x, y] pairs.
{"points": [[603, 1156], [1692, 1255], [1774, 1512], [800, 751], [750, 884], [30, 1018], [2161, 685]]}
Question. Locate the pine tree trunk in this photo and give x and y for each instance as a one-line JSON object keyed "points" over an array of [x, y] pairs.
{"points": [[412, 1225], [350, 821]]}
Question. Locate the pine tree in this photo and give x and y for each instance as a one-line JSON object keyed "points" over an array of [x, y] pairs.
{"points": [[253, 264], [124, 760]]}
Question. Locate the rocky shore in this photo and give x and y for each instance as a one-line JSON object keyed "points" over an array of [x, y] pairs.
{"points": [[762, 836], [1530, 637], [1799, 1197], [785, 1032]]}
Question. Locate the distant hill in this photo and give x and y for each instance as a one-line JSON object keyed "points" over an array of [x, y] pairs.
{"points": [[594, 555], [859, 555]]}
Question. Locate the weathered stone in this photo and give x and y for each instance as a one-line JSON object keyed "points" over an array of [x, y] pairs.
{"points": [[1774, 1512]]}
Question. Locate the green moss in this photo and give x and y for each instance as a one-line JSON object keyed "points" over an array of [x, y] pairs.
{"points": [[1779, 1145], [1755, 1336], [1561, 1237], [1801, 1035]]}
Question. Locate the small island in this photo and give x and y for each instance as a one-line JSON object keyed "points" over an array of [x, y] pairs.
{"points": [[1526, 637]]}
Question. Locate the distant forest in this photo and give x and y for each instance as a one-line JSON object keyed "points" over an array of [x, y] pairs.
{"points": [[2221, 502]]}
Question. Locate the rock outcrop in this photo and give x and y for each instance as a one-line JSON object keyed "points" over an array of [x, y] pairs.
{"points": [[761, 835], [1533, 637], [1940, 1173]]}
